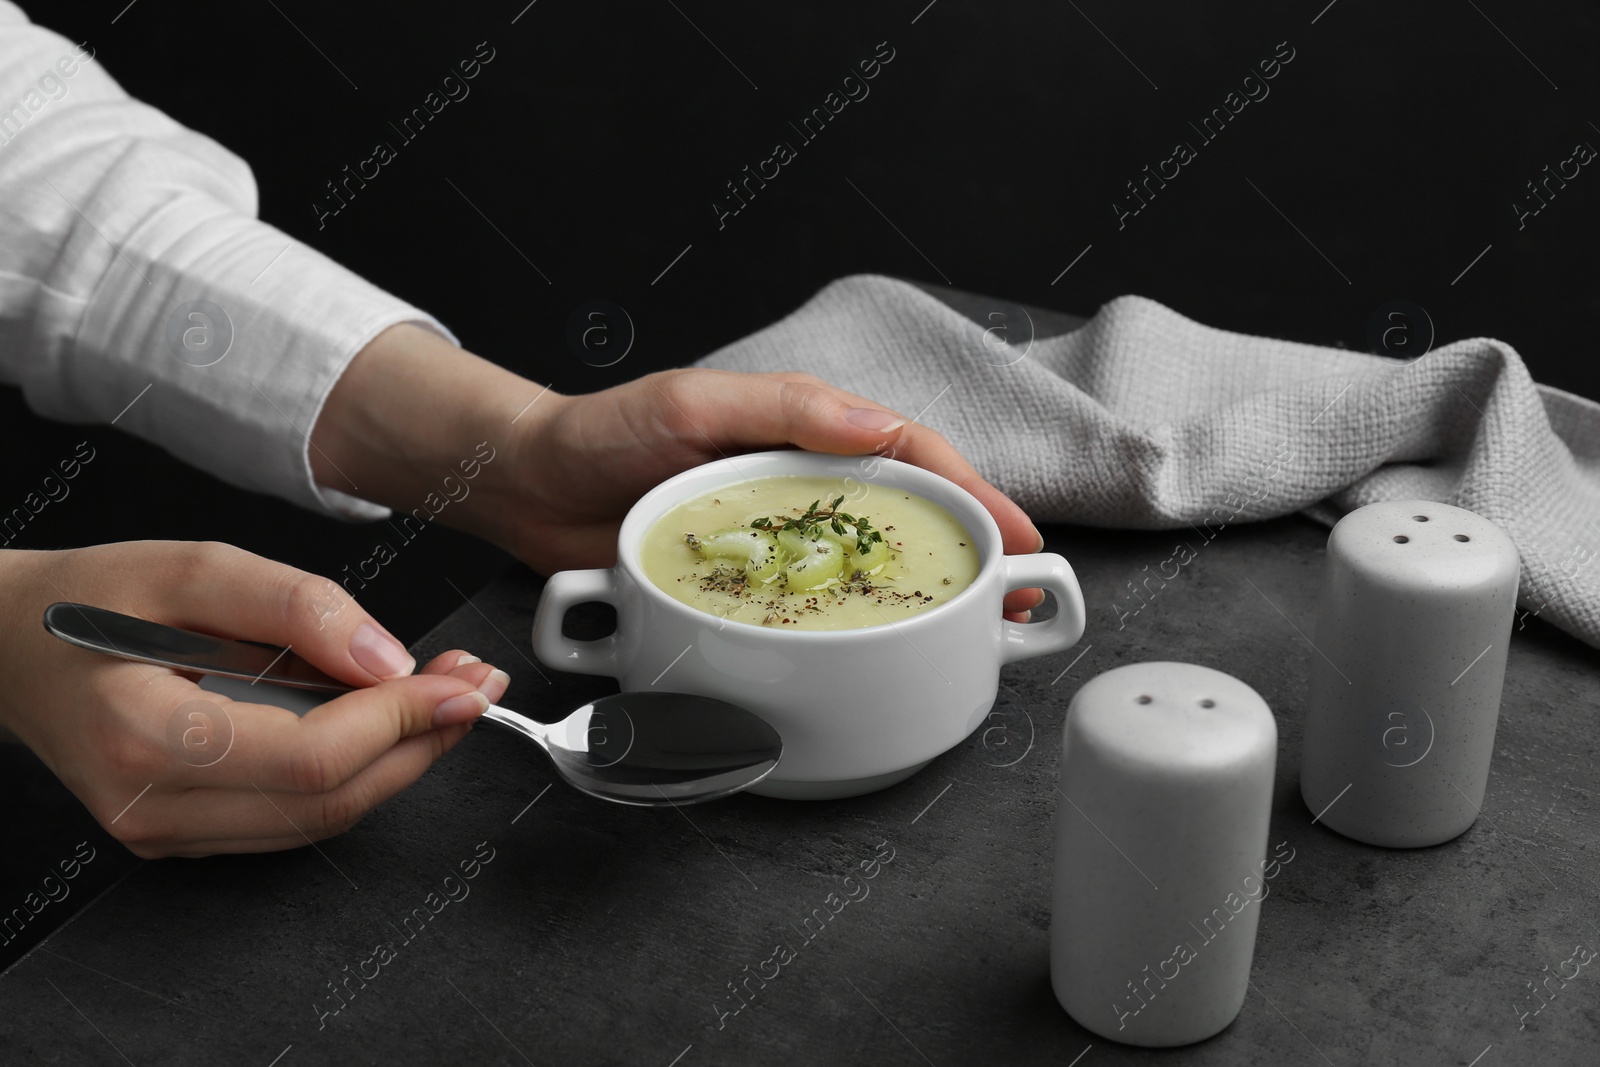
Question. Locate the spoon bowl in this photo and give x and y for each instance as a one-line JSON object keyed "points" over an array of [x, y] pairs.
{"points": [[654, 748]]}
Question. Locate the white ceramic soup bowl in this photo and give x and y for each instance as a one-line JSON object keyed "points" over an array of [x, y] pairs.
{"points": [[858, 709]]}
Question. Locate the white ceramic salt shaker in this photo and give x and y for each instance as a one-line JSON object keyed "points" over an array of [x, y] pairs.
{"points": [[1161, 833], [1410, 655]]}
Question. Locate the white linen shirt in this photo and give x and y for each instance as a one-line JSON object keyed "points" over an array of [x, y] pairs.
{"points": [[113, 218]]}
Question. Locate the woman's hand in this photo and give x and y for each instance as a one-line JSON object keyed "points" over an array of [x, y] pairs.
{"points": [[590, 457], [411, 407], [170, 769]]}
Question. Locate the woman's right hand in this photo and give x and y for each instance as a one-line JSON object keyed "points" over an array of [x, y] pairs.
{"points": [[131, 739]]}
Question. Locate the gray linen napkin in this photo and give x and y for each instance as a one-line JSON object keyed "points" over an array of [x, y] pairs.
{"points": [[1142, 418]]}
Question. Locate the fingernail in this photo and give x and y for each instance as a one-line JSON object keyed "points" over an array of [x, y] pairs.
{"points": [[874, 419], [463, 708], [494, 687], [1040, 536], [466, 658], [377, 651]]}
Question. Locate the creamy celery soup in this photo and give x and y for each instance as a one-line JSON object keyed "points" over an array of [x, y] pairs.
{"points": [[808, 553]]}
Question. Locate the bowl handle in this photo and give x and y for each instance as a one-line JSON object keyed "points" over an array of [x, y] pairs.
{"points": [[561, 592], [1049, 571]]}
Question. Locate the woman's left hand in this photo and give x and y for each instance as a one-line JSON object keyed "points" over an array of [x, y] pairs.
{"points": [[597, 454], [566, 469]]}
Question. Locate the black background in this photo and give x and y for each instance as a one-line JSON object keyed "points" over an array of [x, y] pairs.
{"points": [[987, 155]]}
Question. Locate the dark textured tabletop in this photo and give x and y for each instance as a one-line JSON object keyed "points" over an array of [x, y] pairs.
{"points": [[521, 922]]}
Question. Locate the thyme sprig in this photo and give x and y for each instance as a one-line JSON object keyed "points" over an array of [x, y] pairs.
{"points": [[811, 523]]}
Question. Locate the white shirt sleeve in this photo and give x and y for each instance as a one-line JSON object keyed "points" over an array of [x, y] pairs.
{"points": [[114, 221]]}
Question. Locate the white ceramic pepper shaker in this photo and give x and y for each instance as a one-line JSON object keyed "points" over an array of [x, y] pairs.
{"points": [[1410, 655], [1161, 837]]}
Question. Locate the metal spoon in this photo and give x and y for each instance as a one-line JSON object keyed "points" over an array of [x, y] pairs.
{"points": [[650, 749]]}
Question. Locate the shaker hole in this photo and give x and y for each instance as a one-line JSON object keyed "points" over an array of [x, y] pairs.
{"points": [[1208, 703], [1420, 518], [1462, 537], [1401, 539], [1143, 700]]}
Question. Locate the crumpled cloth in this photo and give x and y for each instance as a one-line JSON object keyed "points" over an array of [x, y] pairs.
{"points": [[1145, 419]]}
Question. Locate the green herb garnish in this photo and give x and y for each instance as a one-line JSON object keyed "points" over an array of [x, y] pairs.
{"points": [[810, 524]]}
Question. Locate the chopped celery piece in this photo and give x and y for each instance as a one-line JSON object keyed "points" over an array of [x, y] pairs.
{"points": [[876, 555], [757, 550], [810, 563]]}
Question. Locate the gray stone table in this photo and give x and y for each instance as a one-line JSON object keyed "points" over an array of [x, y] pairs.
{"points": [[597, 934]]}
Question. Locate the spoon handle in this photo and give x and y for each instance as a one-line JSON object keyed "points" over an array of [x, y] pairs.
{"points": [[143, 641], [515, 720]]}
